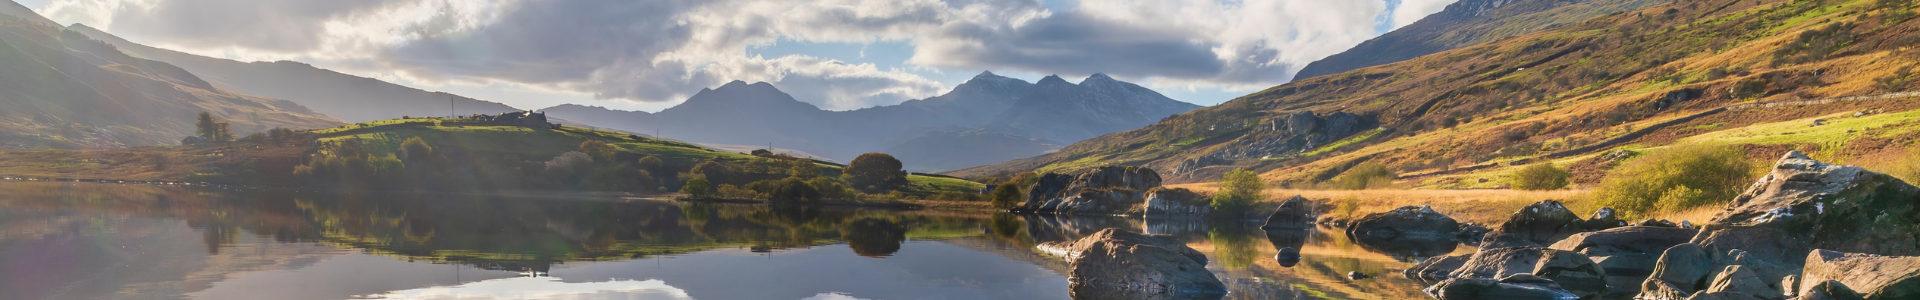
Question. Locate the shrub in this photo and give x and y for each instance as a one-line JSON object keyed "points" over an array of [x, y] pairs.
{"points": [[794, 189], [1007, 196], [1541, 176], [729, 191], [698, 188], [415, 149], [1365, 176], [1675, 179], [1238, 190], [831, 188], [569, 167], [598, 149]]}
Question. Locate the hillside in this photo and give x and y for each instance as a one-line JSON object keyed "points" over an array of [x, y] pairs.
{"points": [[1632, 80], [1467, 23], [61, 89], [348, 97], [1033, 115], [470, 154]]}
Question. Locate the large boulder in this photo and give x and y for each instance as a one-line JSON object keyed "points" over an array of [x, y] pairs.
{"points": [[1100, 191], [1165, 202], [1516, 287], [1116, 263], [1738, 282], [1434, 269], [1542, 223], [1295, 213], [1628, 254], [1572, 271], [1678, 274], [1410, 232], [1828, 290], [1871, 276], [1837, 207], [1603, 219]]}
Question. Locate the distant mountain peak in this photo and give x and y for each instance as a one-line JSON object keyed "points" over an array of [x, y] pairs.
{"points": [[1051, 80], [1098, 78], [987, 74]]}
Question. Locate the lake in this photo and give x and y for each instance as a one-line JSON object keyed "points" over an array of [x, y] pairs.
{"points": [[128, 241]]}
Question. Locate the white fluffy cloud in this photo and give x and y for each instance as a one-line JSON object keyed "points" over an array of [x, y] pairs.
{"points": [[663, 50]]}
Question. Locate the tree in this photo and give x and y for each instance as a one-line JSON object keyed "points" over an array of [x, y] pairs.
{"points": [[875, 172], [1238, 190], [804, 169], [715, 171], [212, 129], [794, 189], [698, 188], [1540, 176], [570, 167], [1007, 196]]}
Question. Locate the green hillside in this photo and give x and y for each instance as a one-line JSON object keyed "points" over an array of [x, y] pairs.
{"points": [[470, 154]]}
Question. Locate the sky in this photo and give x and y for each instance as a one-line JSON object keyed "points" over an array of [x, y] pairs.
{"points": [[836, 54]]}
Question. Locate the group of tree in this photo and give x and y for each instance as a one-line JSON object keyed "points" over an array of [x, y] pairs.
{"points": [[783, 178]]}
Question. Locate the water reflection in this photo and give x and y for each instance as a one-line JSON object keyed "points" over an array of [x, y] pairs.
{"points": [[93, 241]]}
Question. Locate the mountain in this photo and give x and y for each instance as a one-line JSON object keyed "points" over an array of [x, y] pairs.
{"points": [[1063, 111], [1764, 75], [61, 89], [1467, 23], [353, 98], [757, 114]]}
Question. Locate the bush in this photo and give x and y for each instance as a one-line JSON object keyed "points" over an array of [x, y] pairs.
{"points": [[729, 191], [697, 188], [875, 172], [1238, 190], [1007, 196], [1541, 176], [794, 189], [415, 149], [1675, 179], [1365, 176], [569, 167]]}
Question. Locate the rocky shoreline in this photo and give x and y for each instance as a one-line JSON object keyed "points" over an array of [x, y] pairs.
{"points": [[1807, 230]]}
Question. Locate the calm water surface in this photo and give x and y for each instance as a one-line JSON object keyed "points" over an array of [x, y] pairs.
{"points": [[118, 241]]}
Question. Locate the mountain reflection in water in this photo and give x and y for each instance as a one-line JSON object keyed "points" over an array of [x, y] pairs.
{"points": [[120, 241]]}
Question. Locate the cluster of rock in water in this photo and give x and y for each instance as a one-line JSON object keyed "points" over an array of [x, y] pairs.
{"points": [[1807, 230]]}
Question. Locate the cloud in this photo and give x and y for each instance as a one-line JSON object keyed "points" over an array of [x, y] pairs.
{"points": [[663, 50]]}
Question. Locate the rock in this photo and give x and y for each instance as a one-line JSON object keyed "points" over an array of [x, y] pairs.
{"points": [[1828, 290], [1295, 213], [1737, 282], [1100, 191], [1574, 272], [1502, 239], [1603, 219], [1836, 207], [1678, 273], [1656, 223], [1302, 123], [1471, 234], [1288, 257], [1434, 269], [1544, 223], [1115, 262], [1517, 287], [1412, 231], [1356, 275], [1753, 246], [1164, 202], [1871, 276], [1501, 262], [1627, 254]]}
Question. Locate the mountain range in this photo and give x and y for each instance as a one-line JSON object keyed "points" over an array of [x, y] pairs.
{"points": [[62, 89], [1466, 23], [348, 97], [990, 118]]}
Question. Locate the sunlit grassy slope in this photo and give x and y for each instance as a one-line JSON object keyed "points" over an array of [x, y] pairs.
{"points": [[1633, 80]]}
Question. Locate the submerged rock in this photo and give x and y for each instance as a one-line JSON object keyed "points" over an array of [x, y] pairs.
{"points": [[1295, 213], [1412, 231], [1434, 269], [1115, 263]]}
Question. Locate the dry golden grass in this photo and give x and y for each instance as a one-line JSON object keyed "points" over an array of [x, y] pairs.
{"points": [[1485, 206]]}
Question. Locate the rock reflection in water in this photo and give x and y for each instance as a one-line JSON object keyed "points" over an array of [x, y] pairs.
{"points": [[1289, 242]]}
